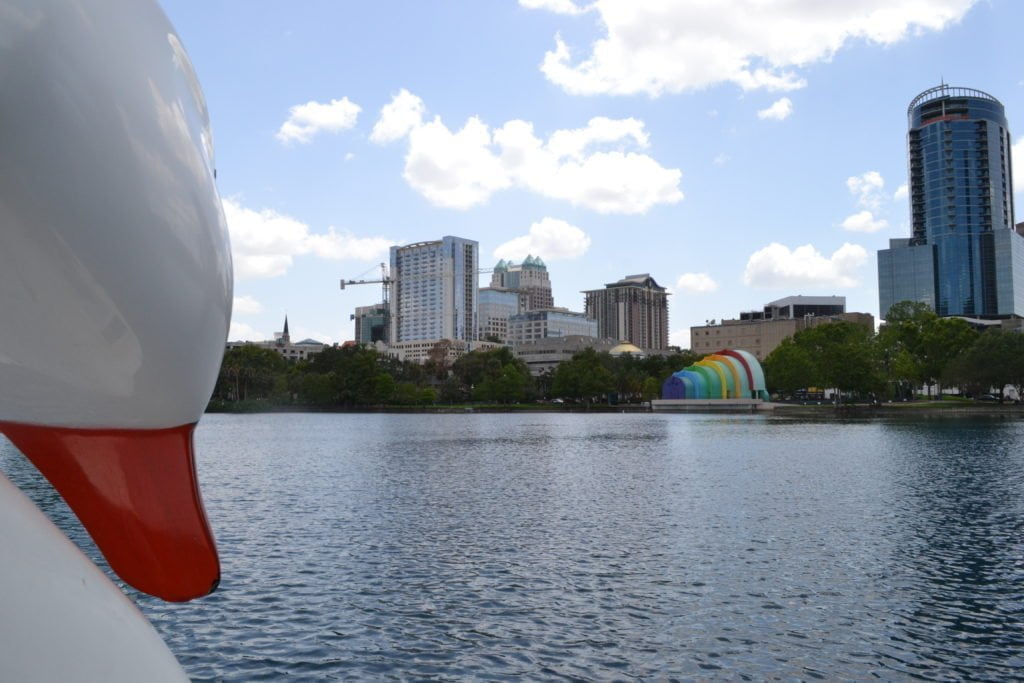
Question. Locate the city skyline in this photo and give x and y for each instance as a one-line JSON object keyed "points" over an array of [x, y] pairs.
{"points": [[776, 168]]}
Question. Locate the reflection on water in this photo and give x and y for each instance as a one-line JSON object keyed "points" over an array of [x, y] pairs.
{"points": [[602, 546]]}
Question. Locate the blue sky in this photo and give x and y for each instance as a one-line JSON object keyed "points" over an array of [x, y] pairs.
{"points": [[739, 151]]}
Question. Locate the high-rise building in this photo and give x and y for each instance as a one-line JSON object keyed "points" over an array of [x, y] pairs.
{"points": [[371, 323], [634, 309], [529, 277], [496, 306], [434, 291], [964, 256]]}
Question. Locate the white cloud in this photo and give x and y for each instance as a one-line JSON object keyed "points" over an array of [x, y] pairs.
{"points": [[696, 283], [777, 266], [306, 120], [680, 338], [901, 192], [457, 170], [864, 221], [1017, 155], [339, 247], [398, 118], [867, 188], [246, 305], [556, 6], [264, 243], [661, 46], [550, 238], [779, 111], [243, 332], [349, 156], [721, 160], [596, 167]]}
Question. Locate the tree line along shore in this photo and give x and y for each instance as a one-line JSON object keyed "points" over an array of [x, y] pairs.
{"points": [[915, 348]]}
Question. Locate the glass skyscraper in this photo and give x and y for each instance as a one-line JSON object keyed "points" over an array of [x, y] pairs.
{"points": [[964, 256], [434, 290]]}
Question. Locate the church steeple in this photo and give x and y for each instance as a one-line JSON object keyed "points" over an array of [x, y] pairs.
{"points": [[282, 338]]}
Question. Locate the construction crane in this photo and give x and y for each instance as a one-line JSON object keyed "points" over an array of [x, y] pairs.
{"points": [[385, 281]]}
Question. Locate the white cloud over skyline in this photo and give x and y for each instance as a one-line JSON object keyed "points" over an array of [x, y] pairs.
{"points": [[306, 120], [246, 305], [864, 221], [596, 167], [550, 238], [776, 266], [659, 46], [264, 243], [778, 111], [867, 188], [239, 331], [696, 283]]}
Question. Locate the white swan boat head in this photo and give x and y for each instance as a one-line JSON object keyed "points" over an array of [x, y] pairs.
{"points": [[115, 277]]}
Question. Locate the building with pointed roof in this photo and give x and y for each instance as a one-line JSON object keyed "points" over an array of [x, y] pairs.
{"points": [[634, 309], [529, 277]]}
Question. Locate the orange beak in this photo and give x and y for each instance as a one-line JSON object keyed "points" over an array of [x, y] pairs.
{"points": [[136, 493]]}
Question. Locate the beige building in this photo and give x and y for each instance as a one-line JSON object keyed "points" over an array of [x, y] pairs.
{"points": [[282, 344], [545, 354], [529, 278], [761, 332], [420, 350]]}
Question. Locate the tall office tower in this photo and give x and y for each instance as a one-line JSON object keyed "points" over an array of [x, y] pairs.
{"points": [[371, 323], [634, 309], [964, 256], [434, 290], [529, 277], [496, 306]]}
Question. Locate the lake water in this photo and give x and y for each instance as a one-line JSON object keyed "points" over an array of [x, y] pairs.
{"points": [[604, 546]]}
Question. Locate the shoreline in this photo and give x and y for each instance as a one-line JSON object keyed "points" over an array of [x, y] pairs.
{"points": [[911, 409]]}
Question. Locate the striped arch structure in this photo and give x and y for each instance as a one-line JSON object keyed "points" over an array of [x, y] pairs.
{"points": [[730, 373]]}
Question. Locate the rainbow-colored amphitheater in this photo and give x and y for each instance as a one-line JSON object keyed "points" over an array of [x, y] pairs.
{"points": [[727, 374]]}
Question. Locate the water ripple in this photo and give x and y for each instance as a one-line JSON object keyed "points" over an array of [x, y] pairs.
{"points": [[614, 547]]}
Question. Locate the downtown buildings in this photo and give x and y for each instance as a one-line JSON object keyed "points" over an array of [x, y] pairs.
{"points": [[634, 309], [761, 331], [433, 292], [965, 257], [432, 301]]}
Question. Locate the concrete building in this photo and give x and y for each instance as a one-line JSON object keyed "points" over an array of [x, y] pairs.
{"points": [[761, 332], [964, 256], [448, 350], [371, 323], [495, 307], [544, 355], [434, 291], [282, 344], [634, 309], [529, 277], [549, 322]]}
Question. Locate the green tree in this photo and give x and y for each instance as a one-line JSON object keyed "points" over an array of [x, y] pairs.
{"points": [[941, 342], [789, 368], [585, 377], [993, 361], [900, 345], [249, 371]]}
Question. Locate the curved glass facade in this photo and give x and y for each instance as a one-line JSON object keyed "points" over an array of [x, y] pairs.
{"points": [[961, 195], [727, 374]]}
